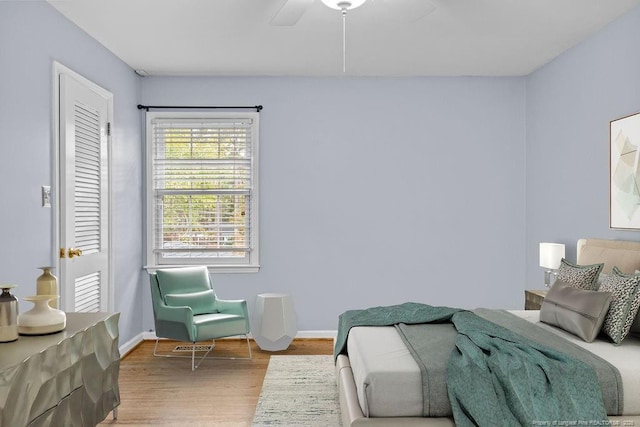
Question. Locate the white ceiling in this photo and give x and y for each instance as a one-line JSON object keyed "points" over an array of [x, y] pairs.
{"points": [[384, 37]]}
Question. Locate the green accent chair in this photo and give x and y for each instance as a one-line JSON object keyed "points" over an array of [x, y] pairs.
{"points": [[186, 308]]}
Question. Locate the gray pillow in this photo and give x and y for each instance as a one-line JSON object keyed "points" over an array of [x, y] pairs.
{"points": [[577, 311], [625, 301], [579, 276], [601, 278]]}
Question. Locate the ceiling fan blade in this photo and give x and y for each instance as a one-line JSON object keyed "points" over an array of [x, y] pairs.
{"points": [[290, 12], [407, 11]]}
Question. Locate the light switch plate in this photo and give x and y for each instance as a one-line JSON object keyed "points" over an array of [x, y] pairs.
{"points": [[46, 196]]}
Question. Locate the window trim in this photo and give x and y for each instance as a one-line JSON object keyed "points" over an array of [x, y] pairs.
{"points": [[252, 265]]}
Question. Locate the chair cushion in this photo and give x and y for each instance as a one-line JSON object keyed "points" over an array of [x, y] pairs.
{"points": [[203, 302], [183, 280], [219, 325]]}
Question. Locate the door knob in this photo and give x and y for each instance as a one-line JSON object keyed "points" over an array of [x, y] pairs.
{"points": [[72, 252]]}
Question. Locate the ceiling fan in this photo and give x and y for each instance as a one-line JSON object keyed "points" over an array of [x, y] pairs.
{"points": [[405, 11]]}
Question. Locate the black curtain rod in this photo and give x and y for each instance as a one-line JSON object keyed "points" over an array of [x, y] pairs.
{"points": [[206, 107]]}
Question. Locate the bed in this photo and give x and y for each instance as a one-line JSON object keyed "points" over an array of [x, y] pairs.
{"points": [[381, 385]]}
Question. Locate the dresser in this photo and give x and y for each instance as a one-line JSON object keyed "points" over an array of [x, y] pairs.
{"points": [[69, 378]]}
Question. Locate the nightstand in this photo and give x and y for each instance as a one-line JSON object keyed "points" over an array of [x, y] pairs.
{"points": [[533, 299]]}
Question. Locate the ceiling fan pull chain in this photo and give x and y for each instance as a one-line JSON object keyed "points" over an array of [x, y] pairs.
{"points": [[343, 6], [344, 40]]}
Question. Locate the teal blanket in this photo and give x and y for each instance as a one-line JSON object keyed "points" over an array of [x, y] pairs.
{"points": [[410, 313], [496, 377]]}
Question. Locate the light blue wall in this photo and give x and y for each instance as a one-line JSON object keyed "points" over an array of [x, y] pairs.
{"points": [[379, 190], [570, 103], [370, 187], [32, 36], [374, 191]]}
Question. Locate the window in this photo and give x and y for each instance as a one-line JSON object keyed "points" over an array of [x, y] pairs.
{"points": [[202, 198]]}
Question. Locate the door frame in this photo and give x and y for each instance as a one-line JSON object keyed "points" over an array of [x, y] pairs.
{"points": [[59, 69]]}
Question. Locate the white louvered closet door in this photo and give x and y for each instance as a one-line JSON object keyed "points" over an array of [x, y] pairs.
{"points": [[84, 251]]}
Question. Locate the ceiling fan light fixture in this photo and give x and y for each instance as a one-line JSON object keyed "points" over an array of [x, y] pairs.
{"points": [[343, 4]]}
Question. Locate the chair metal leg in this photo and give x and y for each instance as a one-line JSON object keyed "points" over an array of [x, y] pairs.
{"points": [[248, 346], [155, 349], [213, 344], [195, 365]]}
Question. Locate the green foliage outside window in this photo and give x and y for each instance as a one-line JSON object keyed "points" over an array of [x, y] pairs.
{"points": [[205, 190]]}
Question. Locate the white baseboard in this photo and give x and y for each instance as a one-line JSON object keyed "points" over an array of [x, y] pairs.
{"points": [[151, 335], [129, 345], [317, 334]]}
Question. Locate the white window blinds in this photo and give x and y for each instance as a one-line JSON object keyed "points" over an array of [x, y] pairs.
{"points": [[203, 188]]}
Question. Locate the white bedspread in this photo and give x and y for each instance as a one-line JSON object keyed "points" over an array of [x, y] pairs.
{"points": [[625, 357], [389, 381]]}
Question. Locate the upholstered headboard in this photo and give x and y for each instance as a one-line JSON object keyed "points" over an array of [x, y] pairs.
{"points": [[623, 254]]}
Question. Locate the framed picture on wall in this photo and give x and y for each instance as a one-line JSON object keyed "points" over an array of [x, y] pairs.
{"points": [[624, 176]]}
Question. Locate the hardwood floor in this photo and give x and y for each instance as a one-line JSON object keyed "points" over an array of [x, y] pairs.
{"points": [[164, 391]]}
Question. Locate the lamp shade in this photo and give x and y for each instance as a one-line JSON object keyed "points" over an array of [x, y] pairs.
{"points": [[551, 254]]}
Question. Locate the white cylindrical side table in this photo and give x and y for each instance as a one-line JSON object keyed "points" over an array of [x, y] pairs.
{"points": [[275, 323]]}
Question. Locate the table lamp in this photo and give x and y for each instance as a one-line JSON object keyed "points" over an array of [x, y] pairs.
{"points": [[550, 256]]}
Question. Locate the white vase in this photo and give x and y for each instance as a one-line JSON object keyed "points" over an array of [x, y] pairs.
{"points": [[47, 284], [41, 319]]}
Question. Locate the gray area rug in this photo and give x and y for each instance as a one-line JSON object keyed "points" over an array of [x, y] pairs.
{"points": [[299, 391]]}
